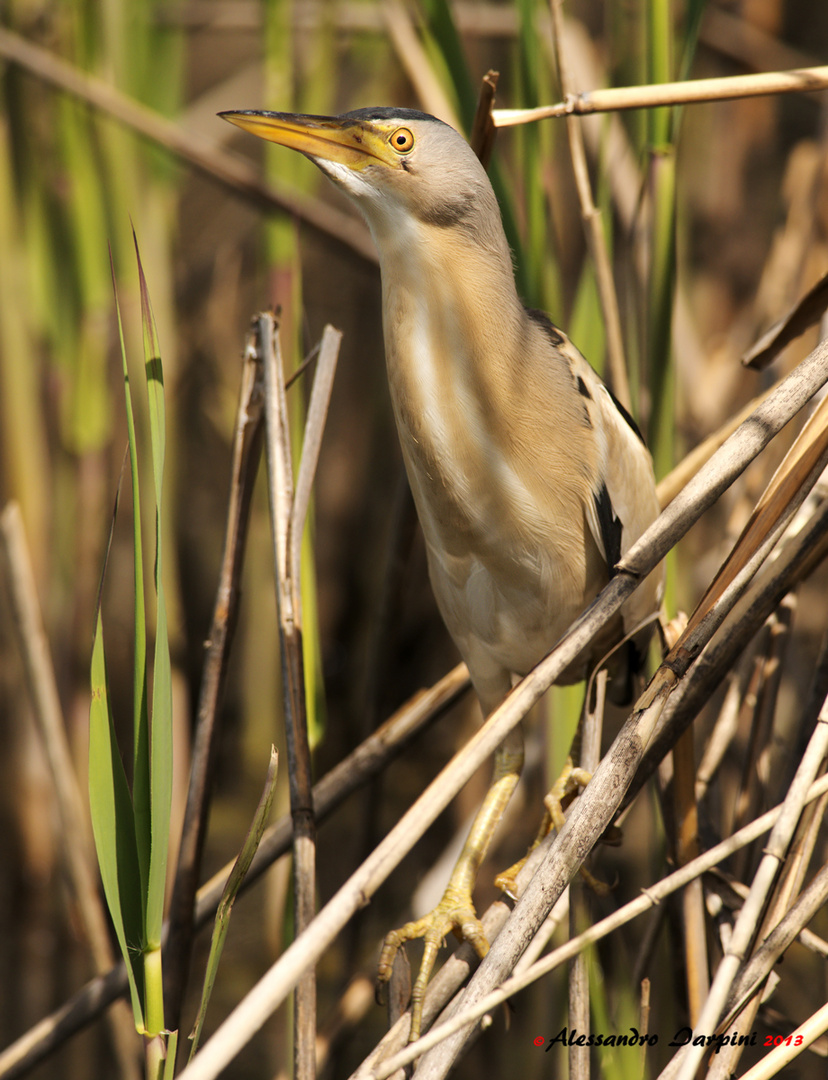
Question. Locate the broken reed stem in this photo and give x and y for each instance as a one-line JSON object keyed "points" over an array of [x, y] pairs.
{"points": [[289, 607], [483, 131], [247, 448], [320, 399]]}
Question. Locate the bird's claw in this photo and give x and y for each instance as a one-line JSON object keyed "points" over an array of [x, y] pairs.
{"points": [[507, 880], [572, 779], [455, 913]]}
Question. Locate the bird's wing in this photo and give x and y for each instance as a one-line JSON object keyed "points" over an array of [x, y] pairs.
{"points": [[624, 504], [624, 499]]}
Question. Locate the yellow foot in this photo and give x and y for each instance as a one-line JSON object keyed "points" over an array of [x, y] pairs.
{"points": [[568, 784], [507, 880], [454, 913]]}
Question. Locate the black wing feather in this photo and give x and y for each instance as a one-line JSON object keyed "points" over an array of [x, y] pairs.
{"points": [[611, 527]]}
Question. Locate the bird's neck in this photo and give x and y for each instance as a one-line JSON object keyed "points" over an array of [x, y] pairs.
{"points": [[451, 314], [453, 324]]}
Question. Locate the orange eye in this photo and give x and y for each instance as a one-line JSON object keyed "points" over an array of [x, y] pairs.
{"points": [[402, 140]]}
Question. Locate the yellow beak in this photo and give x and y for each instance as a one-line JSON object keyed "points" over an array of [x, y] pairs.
{"points": [[354, 143]]}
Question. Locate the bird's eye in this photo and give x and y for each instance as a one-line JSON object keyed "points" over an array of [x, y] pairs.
{"points": [[402, 140]]}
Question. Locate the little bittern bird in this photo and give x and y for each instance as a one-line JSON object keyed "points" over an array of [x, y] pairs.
{"points": [[530, 480]]}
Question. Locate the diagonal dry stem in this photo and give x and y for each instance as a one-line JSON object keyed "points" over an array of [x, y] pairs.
{"points": [[779, 907], [352, 773], [597, 805], [788, 398], [790, 1050], [786, 931], [799, 557], [685, 1063], [649, 898], [727, 724], [806, 312], [415, 62]]}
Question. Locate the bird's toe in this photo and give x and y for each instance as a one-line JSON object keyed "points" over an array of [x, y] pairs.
{"points": [[454, 914]]}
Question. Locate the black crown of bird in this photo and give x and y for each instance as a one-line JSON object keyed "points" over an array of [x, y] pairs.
{"points": [[530, 480]]}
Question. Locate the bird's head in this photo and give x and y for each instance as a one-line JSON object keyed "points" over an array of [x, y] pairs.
{"points": [[400, 166]]}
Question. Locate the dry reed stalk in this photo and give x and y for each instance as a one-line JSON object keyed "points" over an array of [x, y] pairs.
{"points": [[687, 1060], [247, 444], [726, 726], [353, 772], [798, 557], [579, 899], [801, 80], [686, 842], [288, 509], [596, 807], [649, 898], [785, 918], [783, 1055], [592, 222], [414, 60], [593, 810]]}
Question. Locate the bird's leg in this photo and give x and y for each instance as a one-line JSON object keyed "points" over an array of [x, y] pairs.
{"points": [[456, 912], [572, 779], [568, 783]]}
